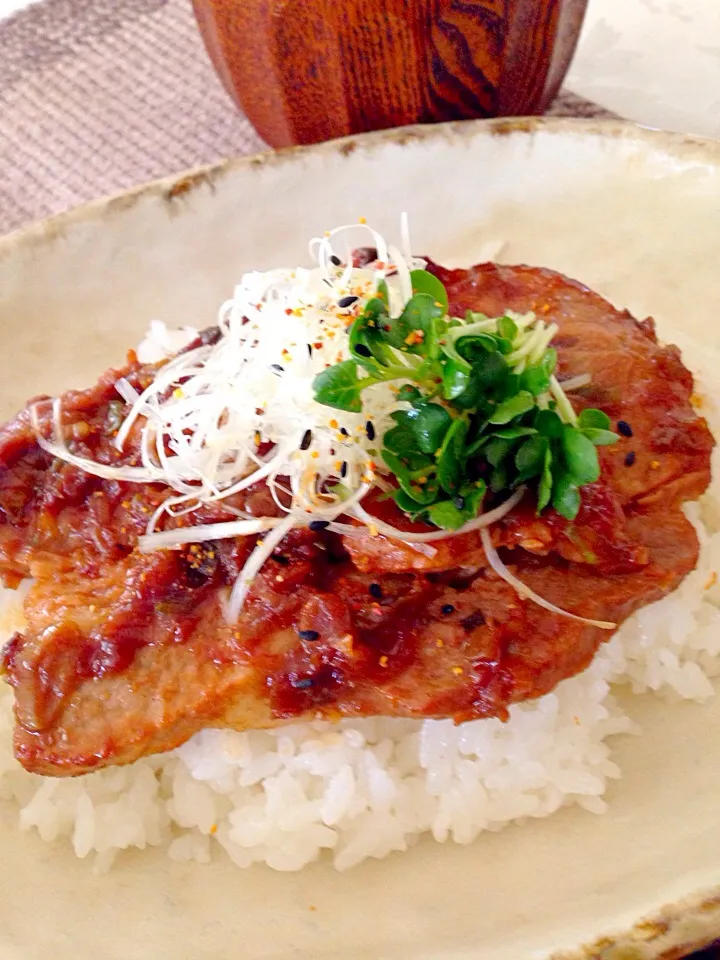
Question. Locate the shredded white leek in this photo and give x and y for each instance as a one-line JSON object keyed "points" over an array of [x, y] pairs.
{"points": [[484, 520], [257, 558], [576, 383], [524, 591]]}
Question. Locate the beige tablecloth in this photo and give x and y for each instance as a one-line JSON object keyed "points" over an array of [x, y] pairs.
{"points": [[99, 95]]}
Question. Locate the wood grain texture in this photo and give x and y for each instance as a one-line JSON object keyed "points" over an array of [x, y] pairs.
{"points": [[310, 70]]}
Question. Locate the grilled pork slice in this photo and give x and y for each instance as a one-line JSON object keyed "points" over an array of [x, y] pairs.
{"points": [[126, 654]]}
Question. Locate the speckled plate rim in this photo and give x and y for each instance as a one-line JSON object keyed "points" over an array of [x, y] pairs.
{"points": [[670, 933], [175, 188], [677, 928]]}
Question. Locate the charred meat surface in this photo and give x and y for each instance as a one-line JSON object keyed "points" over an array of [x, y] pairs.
{"points": [[126, 654]]}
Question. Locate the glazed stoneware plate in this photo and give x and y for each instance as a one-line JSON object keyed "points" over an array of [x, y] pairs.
{"points": [[633, 213]]}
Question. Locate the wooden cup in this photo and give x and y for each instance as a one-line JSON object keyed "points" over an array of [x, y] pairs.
{"points": [[311, 70]]}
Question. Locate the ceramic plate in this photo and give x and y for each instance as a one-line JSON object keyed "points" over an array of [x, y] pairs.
{"points": [[635, 214]]}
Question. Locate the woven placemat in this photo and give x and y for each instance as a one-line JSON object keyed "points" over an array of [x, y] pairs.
{"points": [[99, 95]]}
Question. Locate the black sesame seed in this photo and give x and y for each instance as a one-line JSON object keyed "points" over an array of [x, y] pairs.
{"points": [[301, 683], [370, 430], [624, 428], [335, 261], [309, 346], [306, 440], [459, 502], [343, 469], [308, 634], [447, 609], [347, 301], [630, 458], [476, 619], [362, 350], [375, 591], [281, 559], [277, 368], [344, 432], [319, 524]]}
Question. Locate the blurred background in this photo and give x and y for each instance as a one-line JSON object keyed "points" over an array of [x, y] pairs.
{"points": [[99, 95]]}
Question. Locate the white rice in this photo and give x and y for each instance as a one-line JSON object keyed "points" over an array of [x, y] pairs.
{"points": [[365, 788]]}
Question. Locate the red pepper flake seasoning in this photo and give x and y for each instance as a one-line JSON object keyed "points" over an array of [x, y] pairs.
{"points": [[654, 465], [712, 580], [383, 661], [213, 829], [696, 401], [362, 220], [458, 671], [415, 337]]}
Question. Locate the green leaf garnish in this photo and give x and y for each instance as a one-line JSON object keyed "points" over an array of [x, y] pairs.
{"points": [[512, 433], [566, 497], [580, 456], [429, 424], [455, 379], [497, 450], [507, 328], [455, 513], [424, 282], [340, 387], [548, 423], [450, 457], [593, 418], [467, 411], [546, 482], [601, 438], [513, 407], [530, 457], [413, 331], [409, 393]]}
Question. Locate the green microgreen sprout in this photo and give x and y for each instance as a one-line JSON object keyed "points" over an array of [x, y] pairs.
{"points": [[479, 407]]}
